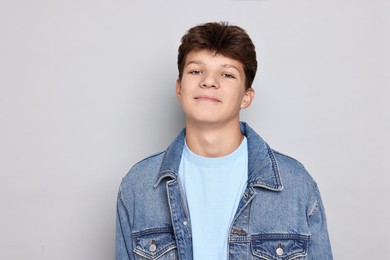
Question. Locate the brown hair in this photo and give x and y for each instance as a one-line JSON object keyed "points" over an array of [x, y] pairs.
{"points": [[228, 40]]}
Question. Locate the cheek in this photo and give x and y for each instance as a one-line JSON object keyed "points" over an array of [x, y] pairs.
{"points": [[184, 96], [185, 89], [238, 96], [183, 92]]}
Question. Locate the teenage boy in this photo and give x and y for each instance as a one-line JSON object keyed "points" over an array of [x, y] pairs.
{"points": [[219, 191]]}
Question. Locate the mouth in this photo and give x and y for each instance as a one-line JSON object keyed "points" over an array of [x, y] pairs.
{"points": [[207, 98]]}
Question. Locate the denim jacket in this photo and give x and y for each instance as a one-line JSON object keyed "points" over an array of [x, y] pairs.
{"points": [[280, 215]]}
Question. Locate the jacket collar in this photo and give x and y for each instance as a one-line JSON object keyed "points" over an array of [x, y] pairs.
{"points": [[262, 166]]}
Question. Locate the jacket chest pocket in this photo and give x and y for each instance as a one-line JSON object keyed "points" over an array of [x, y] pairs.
{"points": [[158, 245], [279, 246]]}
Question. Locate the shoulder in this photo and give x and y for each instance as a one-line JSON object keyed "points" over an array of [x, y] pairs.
{"points": [[144, 171], [292, 171], [148, 163]]}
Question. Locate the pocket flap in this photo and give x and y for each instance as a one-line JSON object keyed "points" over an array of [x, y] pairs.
{"points": [[279, 246], [152, 245]]}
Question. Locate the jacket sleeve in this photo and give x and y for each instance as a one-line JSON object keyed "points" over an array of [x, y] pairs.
{"points": [[123, 246], [319, 245]]}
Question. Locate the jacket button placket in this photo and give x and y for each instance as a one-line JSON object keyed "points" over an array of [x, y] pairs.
{"points": [[239, 239], [180, 223]]}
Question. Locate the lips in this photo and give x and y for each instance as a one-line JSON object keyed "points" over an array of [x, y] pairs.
{"points": [[207, 98]]}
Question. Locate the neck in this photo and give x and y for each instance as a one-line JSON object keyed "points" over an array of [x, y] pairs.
{"points": [[213, 141]]}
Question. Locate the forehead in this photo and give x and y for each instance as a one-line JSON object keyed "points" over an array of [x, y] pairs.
{"points": [[207, 57]]}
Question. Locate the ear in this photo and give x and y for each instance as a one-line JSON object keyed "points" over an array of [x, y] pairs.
{"points": [[248, 97], [178, 89]]}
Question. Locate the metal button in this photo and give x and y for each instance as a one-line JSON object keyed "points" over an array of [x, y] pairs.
{"points": [[246, 195], [279, 250], [185, 222], [153, 246]]}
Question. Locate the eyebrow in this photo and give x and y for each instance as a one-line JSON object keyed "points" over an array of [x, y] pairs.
{"points": [[199, 62], [230, 66]]}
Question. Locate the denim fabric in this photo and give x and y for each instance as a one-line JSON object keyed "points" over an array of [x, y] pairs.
{"points": [[280, 215]]}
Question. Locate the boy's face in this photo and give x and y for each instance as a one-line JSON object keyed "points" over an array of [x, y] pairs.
{"points": [[212, 89]]}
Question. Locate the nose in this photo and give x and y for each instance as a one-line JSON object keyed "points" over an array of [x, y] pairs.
{"points": [[209, 81]]}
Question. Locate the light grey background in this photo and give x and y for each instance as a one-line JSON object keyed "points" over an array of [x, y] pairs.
{"points": [[87, 89]]}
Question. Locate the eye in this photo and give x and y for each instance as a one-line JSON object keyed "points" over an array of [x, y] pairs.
{"points": [[195, 72], [228, 75]]}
